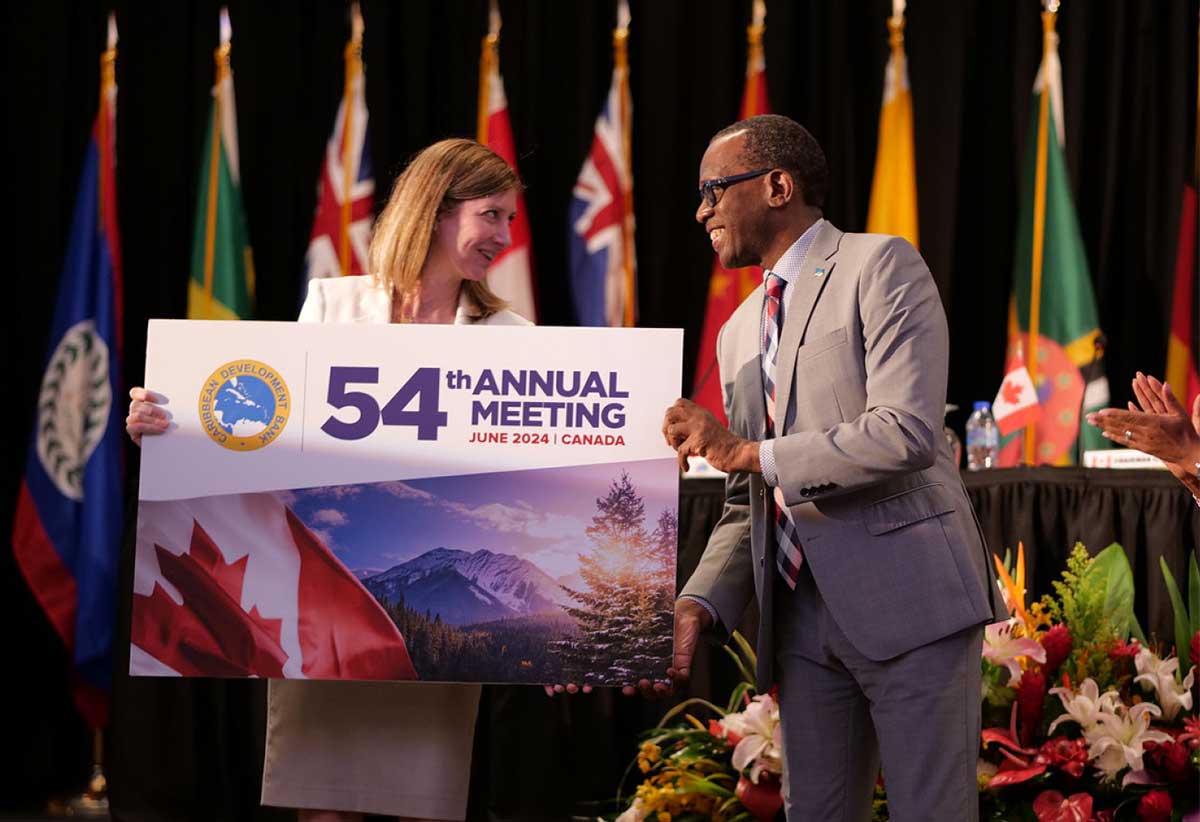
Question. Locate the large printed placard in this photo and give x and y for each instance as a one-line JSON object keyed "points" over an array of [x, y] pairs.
{"points": [[443, 503]]}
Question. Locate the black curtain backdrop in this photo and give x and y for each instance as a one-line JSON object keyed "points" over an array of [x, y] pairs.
{"points": [[1129, 71]]}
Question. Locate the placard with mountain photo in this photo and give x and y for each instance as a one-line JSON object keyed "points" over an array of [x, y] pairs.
{"points": [[548, 555]]}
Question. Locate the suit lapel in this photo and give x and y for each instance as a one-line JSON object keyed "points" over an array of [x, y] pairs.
{"points": [[814, 274]]}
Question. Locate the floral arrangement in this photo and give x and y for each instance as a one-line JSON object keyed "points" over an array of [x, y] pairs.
{"points": [[726, 769], [1084, 720]]}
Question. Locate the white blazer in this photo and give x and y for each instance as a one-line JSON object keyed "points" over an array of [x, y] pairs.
{"points": [[360, 300]]}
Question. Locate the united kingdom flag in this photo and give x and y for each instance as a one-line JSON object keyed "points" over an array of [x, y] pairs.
{"points": [[345, 194], [603, 268]]}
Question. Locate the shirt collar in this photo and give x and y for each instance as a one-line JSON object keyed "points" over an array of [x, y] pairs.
{"points": [[788, 266]]}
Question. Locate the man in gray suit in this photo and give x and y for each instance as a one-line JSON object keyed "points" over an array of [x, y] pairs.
{"points": [[845, 513]]}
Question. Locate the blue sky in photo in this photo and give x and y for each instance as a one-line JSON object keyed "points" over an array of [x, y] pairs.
{"points": [[539, 515]]}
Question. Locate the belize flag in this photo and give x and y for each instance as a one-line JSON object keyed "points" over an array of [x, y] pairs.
{"points": [[602, 260], [68, 523]]}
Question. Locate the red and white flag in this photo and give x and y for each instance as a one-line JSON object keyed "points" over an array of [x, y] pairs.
{"points": [[727, 289], [1016, 402], [236, 586], [511, 275], [345, 194]]}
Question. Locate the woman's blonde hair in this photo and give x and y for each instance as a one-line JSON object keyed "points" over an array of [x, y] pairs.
{"points": [[437, 180]]}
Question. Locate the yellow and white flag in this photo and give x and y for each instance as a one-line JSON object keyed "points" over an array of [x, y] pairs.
{"points": [[894, 190]]}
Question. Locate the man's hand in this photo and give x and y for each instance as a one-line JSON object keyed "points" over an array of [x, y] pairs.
{"points": [[691, 620], [693, 432]]}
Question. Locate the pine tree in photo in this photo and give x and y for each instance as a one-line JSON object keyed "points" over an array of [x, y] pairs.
{"points": [[620, 610], [661, 555]]}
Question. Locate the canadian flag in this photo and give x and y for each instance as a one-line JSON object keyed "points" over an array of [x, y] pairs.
{"points": [[1016, 402], [511, 275], [237, 586]]}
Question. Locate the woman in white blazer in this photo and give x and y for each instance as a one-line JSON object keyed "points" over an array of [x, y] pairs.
{"points": [[336, 750]]}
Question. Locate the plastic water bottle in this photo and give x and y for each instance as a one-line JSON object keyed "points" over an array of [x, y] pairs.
{"points": [[983, 438]]}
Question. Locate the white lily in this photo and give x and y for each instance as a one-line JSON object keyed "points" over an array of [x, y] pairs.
{"points": [[1117, 739], [1159, 674], [761, 745], [1002, 649], [634, 813], [1085, 706]]}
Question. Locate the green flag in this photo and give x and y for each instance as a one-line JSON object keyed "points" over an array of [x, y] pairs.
{"points": [[1053, 316], [222, 280]]}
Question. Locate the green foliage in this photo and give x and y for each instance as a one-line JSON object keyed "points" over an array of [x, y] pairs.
{"points": [[1082, 603], [1186, 625], [1110, 570]]}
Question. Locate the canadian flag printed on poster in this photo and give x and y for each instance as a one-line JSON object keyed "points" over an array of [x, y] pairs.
{"points": [[238, 586]]}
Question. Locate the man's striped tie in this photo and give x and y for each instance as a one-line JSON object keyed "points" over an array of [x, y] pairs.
{"points": [[788, 556]]}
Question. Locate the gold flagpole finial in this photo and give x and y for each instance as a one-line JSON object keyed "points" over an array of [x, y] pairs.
{"points": [[356, 23], [758, 19], [352, 56], [489, 61], [221, 55]]}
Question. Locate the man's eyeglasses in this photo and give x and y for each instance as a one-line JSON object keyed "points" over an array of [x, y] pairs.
{"points": [[709, 188]]}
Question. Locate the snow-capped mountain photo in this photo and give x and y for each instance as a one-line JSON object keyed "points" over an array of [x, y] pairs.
{"points": [[468, 587]]}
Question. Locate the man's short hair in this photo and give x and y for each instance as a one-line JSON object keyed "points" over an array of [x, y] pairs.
{"points": [[774, 141]]}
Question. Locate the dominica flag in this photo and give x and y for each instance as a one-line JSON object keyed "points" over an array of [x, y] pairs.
{"points": [[727, 289], [222, 281], [1053, 309], [68, 521], [511, 274], [893, 208]]}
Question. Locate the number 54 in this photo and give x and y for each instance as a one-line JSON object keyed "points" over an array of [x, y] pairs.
{"points": [[422, 386]]}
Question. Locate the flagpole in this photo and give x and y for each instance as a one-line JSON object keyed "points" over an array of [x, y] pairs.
{"points": [[621, 64], [754, 52], [1039, 218], [353, 60], [221, 57], [489, 56], [108, 80], [93, 802]]}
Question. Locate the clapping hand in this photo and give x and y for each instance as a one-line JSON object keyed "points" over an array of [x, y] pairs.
{"points": [[1157, 425]]}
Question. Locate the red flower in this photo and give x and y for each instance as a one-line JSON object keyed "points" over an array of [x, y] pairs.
{"points": [[721, 732], [1124, 649], [1068, 755], [1105, 815], [1051, 806], [1191, 731], [763, 800], [1171, 759], [1018, 764], [1031, 697], [1057, 643], [1155, 806]]}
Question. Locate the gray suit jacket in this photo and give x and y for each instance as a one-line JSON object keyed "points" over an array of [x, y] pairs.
{"points": [[884, 519]]}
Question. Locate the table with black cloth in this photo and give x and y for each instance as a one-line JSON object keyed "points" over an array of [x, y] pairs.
{"points": [[192, 750]]}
